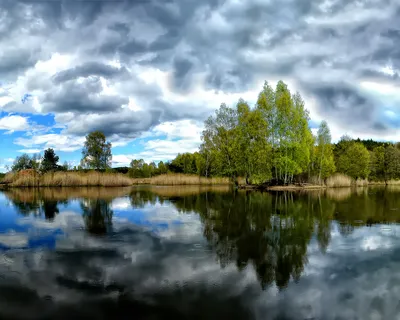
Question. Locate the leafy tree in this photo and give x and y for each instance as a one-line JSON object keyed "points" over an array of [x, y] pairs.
{"points": [[220, 138], [184, 163], [354, 161], [392, 162], [97, 151], [136, 170], [287, 131], [162, 168], [49, 161], [22, 162], [253, 144], [324, 154], [377, 165]]}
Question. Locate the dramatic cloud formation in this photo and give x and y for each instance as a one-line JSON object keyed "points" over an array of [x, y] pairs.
{"points": [[128, 67]]}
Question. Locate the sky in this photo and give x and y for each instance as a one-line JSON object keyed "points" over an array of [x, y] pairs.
{"points": [[149, 72]]}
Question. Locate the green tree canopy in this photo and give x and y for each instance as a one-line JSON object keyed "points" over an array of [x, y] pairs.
{"points": [[49, 160], [324, 153], [25, 162], [96, 151], [354, 161]]}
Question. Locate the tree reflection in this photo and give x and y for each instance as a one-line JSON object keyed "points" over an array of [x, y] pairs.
{"points": [[97, 215], [271, 232], [50, 209]]}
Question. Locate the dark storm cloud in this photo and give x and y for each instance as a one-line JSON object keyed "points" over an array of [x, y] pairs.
{"points": [[81, 97], [125, 123], [14, 61], [88, 69], [182, 68]]}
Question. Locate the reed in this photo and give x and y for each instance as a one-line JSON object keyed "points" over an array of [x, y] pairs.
{"points": [[181, 179], [361, 182], [339, 180], [67, 179]]}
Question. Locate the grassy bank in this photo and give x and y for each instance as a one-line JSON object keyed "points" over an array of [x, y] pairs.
{"points": [[181, 179]]}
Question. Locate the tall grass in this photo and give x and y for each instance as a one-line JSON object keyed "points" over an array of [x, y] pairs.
{"points": [[361, 182], [98, 179], [181, 179], [67, 179], [339, 180]]}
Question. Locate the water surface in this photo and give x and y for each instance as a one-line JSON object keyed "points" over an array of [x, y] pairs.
{"points": [[199, 253]]}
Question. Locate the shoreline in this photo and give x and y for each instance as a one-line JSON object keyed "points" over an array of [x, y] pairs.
{"points": [[4, 186], [306, 187]]}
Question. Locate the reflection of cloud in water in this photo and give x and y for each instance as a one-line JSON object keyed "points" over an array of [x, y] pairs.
{"points": [[12, 239], [165, 221], [154, 261], [121, 204]]}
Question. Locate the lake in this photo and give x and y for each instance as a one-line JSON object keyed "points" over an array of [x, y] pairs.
{"points": [[199, 253]]}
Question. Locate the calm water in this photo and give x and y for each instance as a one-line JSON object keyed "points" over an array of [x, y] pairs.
{"points": [[199, 253]]}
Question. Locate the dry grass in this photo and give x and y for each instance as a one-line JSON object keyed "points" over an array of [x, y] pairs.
{"points": [[77, 179], [393, 182], [181, 179], [361, 182], [339, 180], [67, 179]]}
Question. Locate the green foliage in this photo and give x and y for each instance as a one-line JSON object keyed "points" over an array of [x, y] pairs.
{"points": [[371, 145], [184, 163], [162, 168], [25, 162], [49, 161], [97, 151], [354, 161], [220, 139], [271, 140], [325, 163], [392, 162], [377, 164]]}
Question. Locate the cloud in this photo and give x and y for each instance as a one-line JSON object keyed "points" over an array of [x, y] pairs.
{"points": [[14, 123], [126, 67], [56, 141], [30, 151], [86, 70], [165, 141]]}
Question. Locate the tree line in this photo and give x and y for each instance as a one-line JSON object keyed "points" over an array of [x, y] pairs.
{"points": [[272, 143]]}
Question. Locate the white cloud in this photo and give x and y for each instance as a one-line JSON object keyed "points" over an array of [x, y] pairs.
{"points": [[14, 123], [30, 150], [60, 142]]}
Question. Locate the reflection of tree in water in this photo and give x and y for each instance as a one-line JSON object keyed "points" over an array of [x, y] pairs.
{"points": [[139, 198], [27, 207], [37, 207], [97, 215], [50, 209], [269, 231]]}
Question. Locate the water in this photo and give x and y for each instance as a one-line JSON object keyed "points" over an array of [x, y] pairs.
{"points": [[199, 253]]}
